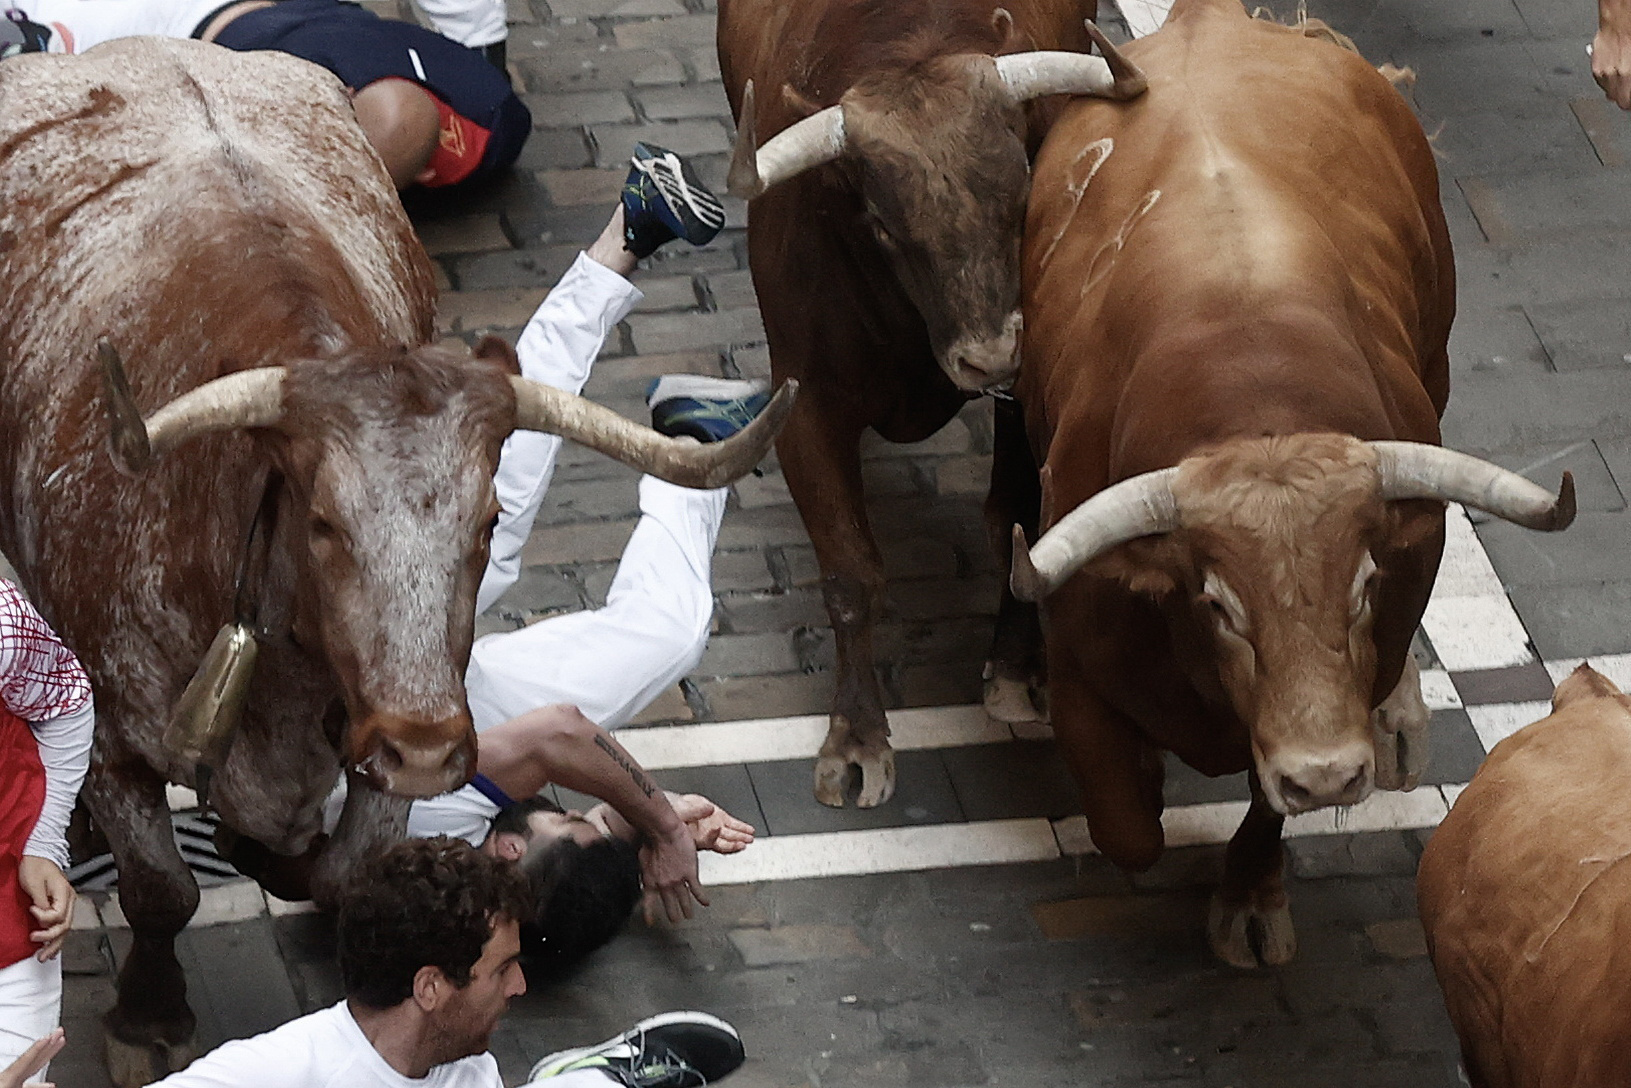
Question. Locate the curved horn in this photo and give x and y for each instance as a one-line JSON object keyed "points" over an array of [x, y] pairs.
{"points": [[1416, 470], [248, 398], [1140, 506], [799, 147], [540, 407], [1032, 75]]}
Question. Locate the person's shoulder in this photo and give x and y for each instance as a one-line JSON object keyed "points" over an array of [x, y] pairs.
{"points": [[476, 1071], [290, 1056]]}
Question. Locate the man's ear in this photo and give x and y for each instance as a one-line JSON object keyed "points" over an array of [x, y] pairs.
{"points": [[498, 351], [431, 988]]}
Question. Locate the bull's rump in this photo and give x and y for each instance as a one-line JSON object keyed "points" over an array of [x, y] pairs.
{"points": [[1262, 169], [1525, 893]]}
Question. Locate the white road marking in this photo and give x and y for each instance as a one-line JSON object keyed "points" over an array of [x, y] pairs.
{"points": [[1144, 17]]}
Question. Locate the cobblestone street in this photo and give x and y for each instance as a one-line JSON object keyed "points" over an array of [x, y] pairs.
{"points": [[974, 938]]}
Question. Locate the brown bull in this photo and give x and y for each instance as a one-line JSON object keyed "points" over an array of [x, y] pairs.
{"points": [[220, 220], [885, 253], [1238, 292], [1524, 890]]}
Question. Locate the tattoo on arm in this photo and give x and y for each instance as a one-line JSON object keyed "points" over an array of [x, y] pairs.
{"points": [[641, 782]]}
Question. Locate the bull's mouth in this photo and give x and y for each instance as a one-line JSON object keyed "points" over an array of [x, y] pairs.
{"points": [[417, 771], [985, 364]]}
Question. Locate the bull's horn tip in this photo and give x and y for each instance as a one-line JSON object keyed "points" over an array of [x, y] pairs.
{"points": [[1023, 578], [1563, 511]]}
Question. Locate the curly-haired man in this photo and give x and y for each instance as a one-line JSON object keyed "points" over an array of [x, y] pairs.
{"points": [[429, 949]]}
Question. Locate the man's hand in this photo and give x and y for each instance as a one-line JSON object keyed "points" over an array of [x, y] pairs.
{"points": [[1611, 62], [32, 1060], [712, 828], [668, 869], [53, 903]]}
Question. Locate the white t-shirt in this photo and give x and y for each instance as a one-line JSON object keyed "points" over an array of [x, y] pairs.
{"points": [[323, 1050], [77, 25], [463, 814]]}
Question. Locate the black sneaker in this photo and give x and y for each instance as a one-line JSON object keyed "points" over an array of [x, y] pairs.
{"points": [[673, 1050], [706, 409], [663, 199]]}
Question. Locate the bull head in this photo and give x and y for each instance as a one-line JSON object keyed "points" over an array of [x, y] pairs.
{"points": [[1276, 543], [390, 457], [941, 168]]}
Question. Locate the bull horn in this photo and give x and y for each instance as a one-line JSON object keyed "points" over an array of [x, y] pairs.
{"points": [[1043, 72], [1140, 506], [799, 147], [1416, 470], [540, 407], [248, 398]]}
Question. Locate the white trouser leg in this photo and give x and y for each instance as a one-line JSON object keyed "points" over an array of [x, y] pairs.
{"points": [[612, 661], [30, 1006], [558, 347], [578, 1078], [475, 23]]}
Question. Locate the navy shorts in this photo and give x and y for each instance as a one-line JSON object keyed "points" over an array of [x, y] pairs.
{"points": [[360, 48]]}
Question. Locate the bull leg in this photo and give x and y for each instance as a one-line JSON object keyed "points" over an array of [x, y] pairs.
{"points": [[1120, 774], [1399, 728], [1014, 674], [1250, 919], [369, 822], [150, 1030], [821, 459]]}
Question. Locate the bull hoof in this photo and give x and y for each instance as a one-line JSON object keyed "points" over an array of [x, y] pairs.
{"points": [[132, 1065], [1249, 937], [1009, 701], [832, 778]]}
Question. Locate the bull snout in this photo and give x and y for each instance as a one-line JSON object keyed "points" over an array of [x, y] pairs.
{"points": [[419, 760], [1297, 782], [980, 364]]}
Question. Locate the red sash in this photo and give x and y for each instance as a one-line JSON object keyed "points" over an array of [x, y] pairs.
{"points": [[22, 796]]}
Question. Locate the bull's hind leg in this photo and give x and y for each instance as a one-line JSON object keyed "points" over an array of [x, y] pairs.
{"points": [[1399, 728], [1250, 920], [150, 1030], [820, 456], [1014, 675]]}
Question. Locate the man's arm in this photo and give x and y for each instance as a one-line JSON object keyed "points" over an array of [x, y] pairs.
{"points": [[1611, 51], [558, 744]]}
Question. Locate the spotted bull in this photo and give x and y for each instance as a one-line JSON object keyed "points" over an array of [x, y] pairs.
{"points": [[883, 237], [218, 221], [1238, 295]]}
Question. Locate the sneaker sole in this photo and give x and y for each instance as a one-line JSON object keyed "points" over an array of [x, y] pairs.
{"points": [[567, 1057], [703, 387], [668, 174]]}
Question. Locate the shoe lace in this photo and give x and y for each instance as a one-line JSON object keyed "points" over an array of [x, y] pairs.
{"points": [[663, 1069]]}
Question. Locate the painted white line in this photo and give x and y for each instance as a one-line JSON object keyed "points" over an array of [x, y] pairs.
{"points": [[1470, 621], [1465, 570], [1144, 16], [1617, 667], [1497, 721], [883, 850], [1438, 690]]}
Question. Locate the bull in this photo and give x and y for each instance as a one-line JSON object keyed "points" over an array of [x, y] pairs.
{"points": [[883, 238], [1238, 296], [1522, 891], [220, 220]]}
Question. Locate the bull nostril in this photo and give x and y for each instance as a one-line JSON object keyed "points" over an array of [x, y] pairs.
{"points": [[1295, 794], [1355, 784]]}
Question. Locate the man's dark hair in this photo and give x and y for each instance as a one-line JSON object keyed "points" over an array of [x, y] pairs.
{"points": [[423, 903], [582, 895]]}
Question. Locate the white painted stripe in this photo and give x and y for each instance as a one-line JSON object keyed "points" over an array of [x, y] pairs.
{"points": [[1438, 690], [1617, 667], [1144, 17], [883, 850], [1476, 633], [1465, 570], [1497, 721]]}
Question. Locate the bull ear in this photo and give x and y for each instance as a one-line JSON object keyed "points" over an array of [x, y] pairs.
{"points": [[799, 102], [1141, 565], [498, 351], [1002, 24]]}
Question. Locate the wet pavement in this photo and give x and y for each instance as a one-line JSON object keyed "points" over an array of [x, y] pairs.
{"points": [[888, 947]]}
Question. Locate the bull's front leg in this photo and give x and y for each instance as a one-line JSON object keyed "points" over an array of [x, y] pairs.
{"points": [[1014, 673], [150, 1032], [1250, 919], [1399, 729], [820, 456]]}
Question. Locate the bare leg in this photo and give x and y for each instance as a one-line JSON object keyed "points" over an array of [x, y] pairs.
{"points": [[1253, 895]]}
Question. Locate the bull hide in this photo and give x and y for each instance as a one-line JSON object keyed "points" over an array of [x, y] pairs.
{"points": [[1523, 892]]}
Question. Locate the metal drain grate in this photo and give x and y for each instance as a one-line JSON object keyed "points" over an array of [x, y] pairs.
{"points": [[195, 835]]}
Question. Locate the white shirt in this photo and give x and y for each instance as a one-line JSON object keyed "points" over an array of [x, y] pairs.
{"points": [[77, 25], [463, 814], [325, 1049]]}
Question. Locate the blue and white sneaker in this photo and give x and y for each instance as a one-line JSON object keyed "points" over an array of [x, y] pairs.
{"points": [[703, 408], [673, 1050], [663, 199]]}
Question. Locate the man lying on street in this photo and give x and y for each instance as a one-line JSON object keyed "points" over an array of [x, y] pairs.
{"points": [[429, 947], [542, 697]]}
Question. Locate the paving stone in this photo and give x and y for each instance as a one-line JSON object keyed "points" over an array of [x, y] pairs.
{"points": [[1588, 551], [463, 234], [727, 786], [669, 706], [935, 685], [797, 944], [1315, 856], [576, 501], [583, 541], [578, 109], [731, 698], [1499, 339], [665, 293], [530, 268], [703, 62], [1143, 918], [733, 291], [748, 655], [679, 103], [1400, 939], [494, 308], [757, 492], [652, 33], [774, 611], [1517, 684], [1009, 781], [923, 795], [1576, 619], [587, 9], [217, 959], [969, 475], [615, 143], [681, 332], [597, 65], [570, 188], [1455, 750], [745, 570], [555, 149]]}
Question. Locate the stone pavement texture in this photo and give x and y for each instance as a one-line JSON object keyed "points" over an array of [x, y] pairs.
{"points": [[1057, 972]]}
